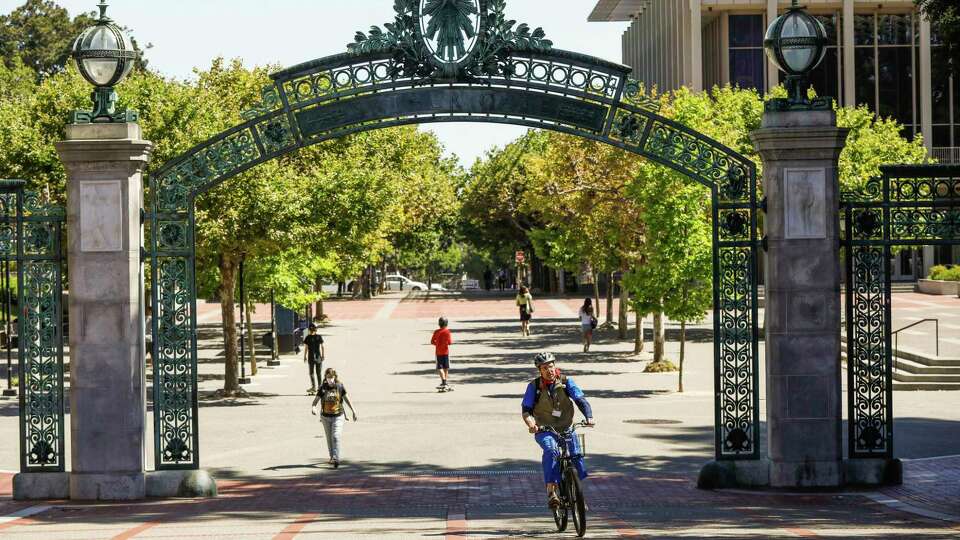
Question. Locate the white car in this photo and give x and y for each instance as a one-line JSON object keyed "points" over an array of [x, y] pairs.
{"points": [[394, 284]]}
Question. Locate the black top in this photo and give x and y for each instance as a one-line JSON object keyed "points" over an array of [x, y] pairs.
{"points": [[328, 395], [313, 342]]}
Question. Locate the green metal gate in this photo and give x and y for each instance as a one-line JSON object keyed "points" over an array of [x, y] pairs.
{"points": [[509, 74], [909, 205], [31, 241]]}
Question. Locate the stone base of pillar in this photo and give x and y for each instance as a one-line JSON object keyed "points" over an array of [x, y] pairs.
{"points": [[107, 487], [187, 484], [873, 472], [41, 486], [753, 473], [806, 474], [273, 363], [762, 473]]}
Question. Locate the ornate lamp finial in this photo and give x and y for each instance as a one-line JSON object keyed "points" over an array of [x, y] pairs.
{"points": [[105, 56], [796, 43]]}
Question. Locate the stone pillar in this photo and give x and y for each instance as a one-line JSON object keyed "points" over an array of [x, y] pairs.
{"points": [[847, 53], [107, 387], [800, 152], [926, 84], [773, 72], [695, 79]]}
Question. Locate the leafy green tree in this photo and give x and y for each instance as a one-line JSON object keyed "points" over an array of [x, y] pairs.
{"points": [[494, 219], [674, 279], [580, 192], [873, 141], [40, 34]]}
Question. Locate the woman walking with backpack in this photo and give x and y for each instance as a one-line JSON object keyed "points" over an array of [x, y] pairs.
{"points": [[525, 303], [333, 395], [588, 323]]}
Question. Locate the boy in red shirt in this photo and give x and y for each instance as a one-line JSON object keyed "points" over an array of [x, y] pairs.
{"points": [[442, 340]]}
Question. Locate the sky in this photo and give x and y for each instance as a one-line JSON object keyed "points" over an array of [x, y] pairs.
{"points": [[186, 34]]}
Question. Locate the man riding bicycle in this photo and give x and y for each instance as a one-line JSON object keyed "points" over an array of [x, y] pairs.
{"points": [[548, 403]]}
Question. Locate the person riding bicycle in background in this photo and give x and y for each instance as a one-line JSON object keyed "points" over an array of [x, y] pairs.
{"points": [[548, 402]]}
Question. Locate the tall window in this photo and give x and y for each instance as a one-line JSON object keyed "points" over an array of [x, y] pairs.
{"points": [[827, 78], [746, 52], [946, 99], [884, 56]]}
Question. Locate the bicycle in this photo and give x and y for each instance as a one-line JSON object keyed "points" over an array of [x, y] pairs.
{"points": [[570, 491]]}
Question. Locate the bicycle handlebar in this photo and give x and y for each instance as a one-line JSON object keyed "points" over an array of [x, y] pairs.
{"points": [[549, 429]]}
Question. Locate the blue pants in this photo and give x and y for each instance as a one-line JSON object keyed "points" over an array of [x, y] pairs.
{"points": [[550, 444]]}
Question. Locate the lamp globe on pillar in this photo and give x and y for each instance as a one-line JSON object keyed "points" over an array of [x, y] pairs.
{"points": [[796, 42], [105, 56]]}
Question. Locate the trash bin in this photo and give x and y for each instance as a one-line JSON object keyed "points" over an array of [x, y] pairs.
{"points": [[286, 324]]}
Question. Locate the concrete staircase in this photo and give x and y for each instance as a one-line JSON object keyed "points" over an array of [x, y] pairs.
{"points": [[916, 371]]}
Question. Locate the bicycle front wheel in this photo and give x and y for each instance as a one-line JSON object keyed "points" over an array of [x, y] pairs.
{"points": [[578, 506], [560, 516]]}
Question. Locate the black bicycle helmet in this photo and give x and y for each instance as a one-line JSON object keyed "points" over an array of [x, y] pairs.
{"points": [[544, 358]]}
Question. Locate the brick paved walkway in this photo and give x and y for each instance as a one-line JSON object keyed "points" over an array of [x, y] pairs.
{"points": [[339, 504]]}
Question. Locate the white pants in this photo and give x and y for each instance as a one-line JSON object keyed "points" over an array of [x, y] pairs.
{"points": [[332, 428]]}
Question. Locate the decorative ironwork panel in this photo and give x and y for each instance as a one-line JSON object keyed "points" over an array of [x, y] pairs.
{"points": [[868, 358], [30, 233], [174, 341], [909, 205], [735, 331], [424, 67]]}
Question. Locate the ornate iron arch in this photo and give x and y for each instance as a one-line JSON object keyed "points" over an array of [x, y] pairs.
{"points": [[394, 77]]}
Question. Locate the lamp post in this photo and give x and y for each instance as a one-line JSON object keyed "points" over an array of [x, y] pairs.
{"points": [[243, 356], [796, 43], [105, 56]]}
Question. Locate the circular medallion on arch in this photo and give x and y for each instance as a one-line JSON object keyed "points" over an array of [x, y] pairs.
{"points": [[451, 30]]}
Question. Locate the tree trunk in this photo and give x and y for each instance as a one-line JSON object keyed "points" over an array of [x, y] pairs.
{"points": [[609, 298], [228, 284], [383, 277], [596, 294], [683, 343], [561, 281], [250, 342], [623, 321], [318, 288], [638, 333], [658, 336], [365, 283]]}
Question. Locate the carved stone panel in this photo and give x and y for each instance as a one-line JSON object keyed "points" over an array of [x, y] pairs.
{"points": [[805, 204], [101, 217]]}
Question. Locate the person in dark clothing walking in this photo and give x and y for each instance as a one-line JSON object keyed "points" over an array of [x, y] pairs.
{"points": [[313, 355]]}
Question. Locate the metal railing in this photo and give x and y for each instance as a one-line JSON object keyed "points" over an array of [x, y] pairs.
{"points": [[946, 154], [896, 336]]}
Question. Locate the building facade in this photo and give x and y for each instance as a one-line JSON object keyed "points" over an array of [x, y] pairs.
{"points": [[882, 54]]}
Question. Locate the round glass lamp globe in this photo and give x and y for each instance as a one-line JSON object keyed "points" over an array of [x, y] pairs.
{"points": [[105, 55], [796, 42]]}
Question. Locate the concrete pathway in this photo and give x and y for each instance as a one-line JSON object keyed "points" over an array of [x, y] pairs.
{"points": [[420, 464]]}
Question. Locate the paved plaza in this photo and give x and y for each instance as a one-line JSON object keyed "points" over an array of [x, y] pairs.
{"points": [[420, 464]]}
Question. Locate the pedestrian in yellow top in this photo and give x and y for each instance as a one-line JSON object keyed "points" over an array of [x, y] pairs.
{"points": [[525, 302]]}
